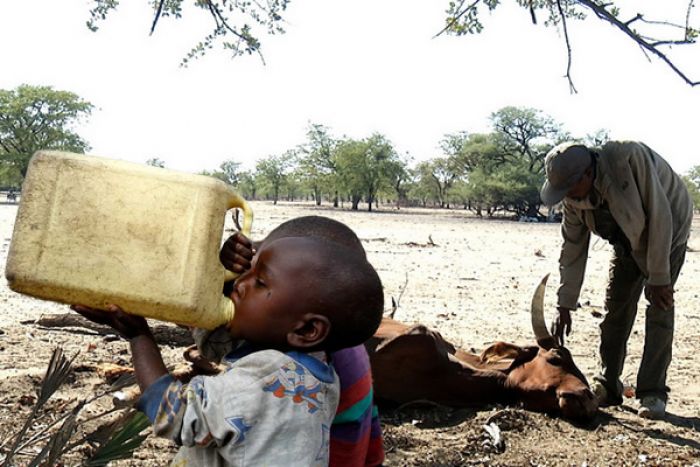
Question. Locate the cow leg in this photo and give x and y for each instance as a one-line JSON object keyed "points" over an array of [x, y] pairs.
{"points": [[622, 295]]}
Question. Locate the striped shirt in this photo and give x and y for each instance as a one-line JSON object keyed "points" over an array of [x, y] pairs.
{"points": [[356, 434]]}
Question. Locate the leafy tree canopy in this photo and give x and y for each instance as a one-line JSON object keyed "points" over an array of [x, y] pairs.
{"points": [[526, 133], [272, 172], [38, 117]]}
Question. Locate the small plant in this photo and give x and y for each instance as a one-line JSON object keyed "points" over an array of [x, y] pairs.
{"points": [[111, 441]]}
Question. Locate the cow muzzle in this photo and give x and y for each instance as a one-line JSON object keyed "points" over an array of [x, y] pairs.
{"points": [[580, 404]]}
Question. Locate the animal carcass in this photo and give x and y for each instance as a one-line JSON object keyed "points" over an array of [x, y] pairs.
{"points": [[412, 362]]}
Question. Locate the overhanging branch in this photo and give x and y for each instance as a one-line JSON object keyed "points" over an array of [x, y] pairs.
{"points": [[458, 16], [648, 45], [572, 88]]}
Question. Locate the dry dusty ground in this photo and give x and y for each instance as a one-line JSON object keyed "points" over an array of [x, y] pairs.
{"points": [[472, 279]]}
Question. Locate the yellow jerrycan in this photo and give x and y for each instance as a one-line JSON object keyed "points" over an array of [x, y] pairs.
{"points": [[96, 231]]}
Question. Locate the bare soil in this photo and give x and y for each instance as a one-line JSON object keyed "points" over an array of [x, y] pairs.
{"points": [[470, 278]]}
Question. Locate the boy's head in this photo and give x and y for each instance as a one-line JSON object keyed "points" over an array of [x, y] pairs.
{"points": [[307, 293], [318, 226]]}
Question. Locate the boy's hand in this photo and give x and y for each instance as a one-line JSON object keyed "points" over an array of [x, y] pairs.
{"points": [[237, 253], [128, 326]]}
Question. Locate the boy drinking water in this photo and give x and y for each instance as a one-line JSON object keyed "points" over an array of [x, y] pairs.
{"points": [[274, 403], [355, 435]]}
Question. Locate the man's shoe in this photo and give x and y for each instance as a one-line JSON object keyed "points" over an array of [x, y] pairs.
{"points": [[652, 407]]}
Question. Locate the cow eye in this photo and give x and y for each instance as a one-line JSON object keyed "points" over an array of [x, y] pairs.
{"points": [[555, 358]]}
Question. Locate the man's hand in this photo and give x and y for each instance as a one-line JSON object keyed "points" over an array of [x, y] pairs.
{"points": [[661, 296], [128, 326], [237, 253], [562, 324]]}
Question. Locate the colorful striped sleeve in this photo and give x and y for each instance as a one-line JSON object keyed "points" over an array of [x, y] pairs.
{"points": [[356, 436]]}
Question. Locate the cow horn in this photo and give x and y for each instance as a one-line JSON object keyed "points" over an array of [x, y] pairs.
{"points": [[539, 326]]}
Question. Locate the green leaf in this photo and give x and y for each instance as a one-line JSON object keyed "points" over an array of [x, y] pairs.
{"points": [[125, 439]]}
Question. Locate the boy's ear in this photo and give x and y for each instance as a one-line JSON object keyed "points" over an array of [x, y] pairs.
{"points": [[310, 331]]}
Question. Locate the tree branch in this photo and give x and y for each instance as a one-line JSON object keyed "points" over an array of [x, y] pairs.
{"points": [[458, 16], [645, 44], [157, 17], [219, 17], [572, 88]]}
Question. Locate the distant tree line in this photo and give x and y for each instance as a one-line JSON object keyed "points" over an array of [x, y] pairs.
{"points": [[692, 181], [487, 173], [499, 172]]}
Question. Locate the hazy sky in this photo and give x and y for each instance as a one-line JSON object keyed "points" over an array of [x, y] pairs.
{"points": [[355, 66]]}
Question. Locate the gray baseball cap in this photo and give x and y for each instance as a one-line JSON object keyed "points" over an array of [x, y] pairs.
{"points": [[564, 166]]}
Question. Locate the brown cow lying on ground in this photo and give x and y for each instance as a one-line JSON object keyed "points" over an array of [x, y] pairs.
{"points": [[412, 363]]}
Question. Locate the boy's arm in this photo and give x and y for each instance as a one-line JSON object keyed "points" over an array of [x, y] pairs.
{"points": [[151, 374], [148, 363], [145, 355]]}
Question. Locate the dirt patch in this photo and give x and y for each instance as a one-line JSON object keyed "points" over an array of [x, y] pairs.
{"points": [[469, 278]]}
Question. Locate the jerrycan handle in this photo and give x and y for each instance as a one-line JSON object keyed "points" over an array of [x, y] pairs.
{"points": [[237, 201], [225, 312]]}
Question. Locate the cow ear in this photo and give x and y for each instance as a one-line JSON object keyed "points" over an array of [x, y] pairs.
{"points": [[500, 351], [527, 353]]}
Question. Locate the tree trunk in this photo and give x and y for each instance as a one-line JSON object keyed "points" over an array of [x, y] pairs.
{"points": [[533, 211]]}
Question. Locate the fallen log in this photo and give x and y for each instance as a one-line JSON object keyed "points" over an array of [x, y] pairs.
{"points": [[165, 334]]}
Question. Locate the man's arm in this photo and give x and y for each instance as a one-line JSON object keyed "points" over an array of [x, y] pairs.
{"points": [[573, 258], [572, 265]]}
